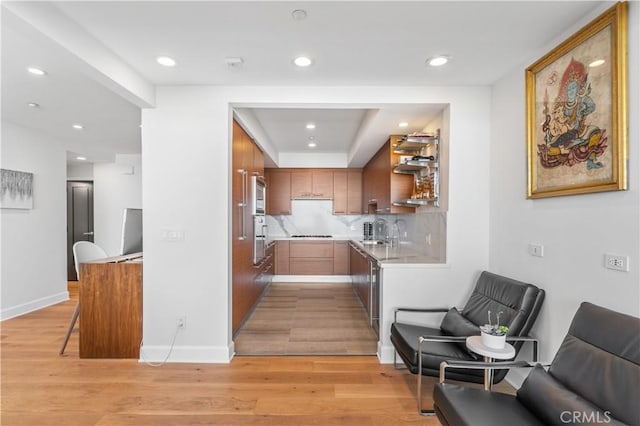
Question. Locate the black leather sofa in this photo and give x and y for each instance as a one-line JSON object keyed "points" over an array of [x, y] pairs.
{"points": [[593, 379]]}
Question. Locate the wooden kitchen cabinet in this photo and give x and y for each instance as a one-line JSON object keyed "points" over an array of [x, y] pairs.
{"points": [[347, 192], [278, 191], [311, 183], [381, 186], [341, 257], [311, 257], [247, 161], [282, 257]]}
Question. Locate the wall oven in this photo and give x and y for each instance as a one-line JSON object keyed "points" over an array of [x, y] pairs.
{"points": [[259, 238], [259, 195], [258, 209]]}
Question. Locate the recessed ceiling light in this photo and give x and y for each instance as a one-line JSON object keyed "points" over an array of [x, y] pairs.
{"points": [[166, 61], [33, 105], [311, 145], [437, 61], [78, 126], [311, 138], [302, 61], [81, 158], [596, 63], [299, 14], [311, 126], [403, 124], [36, 71]]}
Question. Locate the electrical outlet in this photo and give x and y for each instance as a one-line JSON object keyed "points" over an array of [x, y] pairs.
{"points": [[181, 322], [536, 250], [428, 239], [617, 263]]}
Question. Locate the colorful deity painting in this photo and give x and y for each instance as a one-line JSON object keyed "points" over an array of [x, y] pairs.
{"points": [[570, 137]]}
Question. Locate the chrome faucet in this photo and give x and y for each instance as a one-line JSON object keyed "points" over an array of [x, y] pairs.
{"points": [[380, 229]]}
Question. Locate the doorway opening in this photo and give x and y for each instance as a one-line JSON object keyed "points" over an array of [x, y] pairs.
{"points": [[79, 219]]}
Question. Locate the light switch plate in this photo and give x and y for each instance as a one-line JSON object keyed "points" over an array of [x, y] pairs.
{"points": [[536, 250]]}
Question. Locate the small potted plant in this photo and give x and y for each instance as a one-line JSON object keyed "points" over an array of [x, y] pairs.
{"points": [[494, 335]]}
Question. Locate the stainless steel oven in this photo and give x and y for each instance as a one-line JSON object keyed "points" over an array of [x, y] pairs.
{"points": [[258, 195], [259, 238]]}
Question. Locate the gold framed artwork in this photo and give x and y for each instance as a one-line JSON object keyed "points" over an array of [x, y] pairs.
{"points": [[577, 111]]}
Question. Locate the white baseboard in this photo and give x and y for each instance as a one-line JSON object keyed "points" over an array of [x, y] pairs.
{"points": [[34, 305], [311, 279], [187, 354], [385, 354]]}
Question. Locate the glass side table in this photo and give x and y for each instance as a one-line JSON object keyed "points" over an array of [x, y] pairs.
{"points": [[474, 344]]}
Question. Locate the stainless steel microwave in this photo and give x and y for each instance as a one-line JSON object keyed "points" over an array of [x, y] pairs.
{"points": [[259, 195]]}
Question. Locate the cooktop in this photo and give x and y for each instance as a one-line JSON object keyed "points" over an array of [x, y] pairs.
{"points": [[311, 236]]}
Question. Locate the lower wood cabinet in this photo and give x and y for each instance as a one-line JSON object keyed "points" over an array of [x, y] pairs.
{"points": [[311, 266], [282, 257], [340, 258], [312, 257]]}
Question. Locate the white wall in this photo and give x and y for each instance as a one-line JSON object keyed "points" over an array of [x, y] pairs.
{"points": [[34, 245], [185, 146], [115, 186], [576, 230], [83, 171]]}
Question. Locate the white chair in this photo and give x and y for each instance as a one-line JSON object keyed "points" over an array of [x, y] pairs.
{"points": [[83, 251]]}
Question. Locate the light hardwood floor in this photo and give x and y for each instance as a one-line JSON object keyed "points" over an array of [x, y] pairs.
{"points": [[307, 319], [41, 388]]}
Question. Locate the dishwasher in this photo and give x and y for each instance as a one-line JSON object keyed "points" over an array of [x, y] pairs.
{"points": [[374, 295], [365, 273]]}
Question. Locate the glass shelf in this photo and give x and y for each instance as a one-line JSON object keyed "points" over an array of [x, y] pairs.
{"points": [[414, 202], [413, 144], [412, 166]]}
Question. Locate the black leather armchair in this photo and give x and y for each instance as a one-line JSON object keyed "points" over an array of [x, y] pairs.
{"points": [[519, 303], [593, 379]]}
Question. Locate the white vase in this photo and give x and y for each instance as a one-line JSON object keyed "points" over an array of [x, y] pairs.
{"points": [[491, 341]]}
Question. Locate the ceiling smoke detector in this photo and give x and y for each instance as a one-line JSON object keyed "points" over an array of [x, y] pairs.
{"points": [[235, 62], [299, 14]]}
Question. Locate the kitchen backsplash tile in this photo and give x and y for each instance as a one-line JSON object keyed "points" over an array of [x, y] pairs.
{"points": [[314, 217]]}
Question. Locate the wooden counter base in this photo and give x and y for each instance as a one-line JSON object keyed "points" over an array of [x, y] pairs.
{"points": [[110, 309]]}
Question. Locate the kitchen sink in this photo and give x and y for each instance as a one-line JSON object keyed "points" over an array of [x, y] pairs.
{"points": [[371, 242]]}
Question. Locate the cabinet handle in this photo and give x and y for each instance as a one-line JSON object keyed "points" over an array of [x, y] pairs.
{"points": [[243, 205], [338, 212]]}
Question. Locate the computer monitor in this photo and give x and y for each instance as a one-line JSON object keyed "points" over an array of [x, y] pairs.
{"points": [[131, 241]]}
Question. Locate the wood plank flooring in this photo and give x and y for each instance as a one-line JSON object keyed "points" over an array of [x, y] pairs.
{"points": [[307, 319], [41, 388]]}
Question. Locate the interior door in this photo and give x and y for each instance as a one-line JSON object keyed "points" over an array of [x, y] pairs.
{"points": [[79, 219]]}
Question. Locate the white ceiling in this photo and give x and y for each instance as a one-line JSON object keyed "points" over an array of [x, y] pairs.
{"points": [[351, 43]]}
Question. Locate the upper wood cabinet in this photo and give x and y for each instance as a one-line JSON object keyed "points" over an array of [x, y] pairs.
{"points": [[278, 191], [381, 186], [344, 186], [311, 184], [347, 192]]}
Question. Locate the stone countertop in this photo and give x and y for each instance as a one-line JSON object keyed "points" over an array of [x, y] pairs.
{"points": [[403, 254], [333, 238]]}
